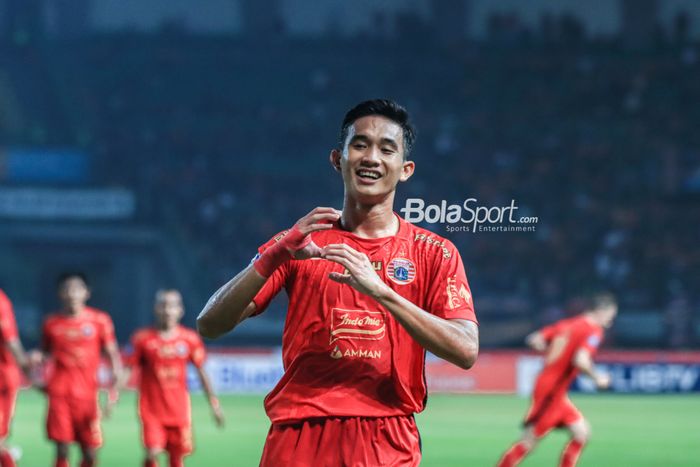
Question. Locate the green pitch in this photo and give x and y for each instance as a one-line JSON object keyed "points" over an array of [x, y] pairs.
{"points": [[456, 430]]}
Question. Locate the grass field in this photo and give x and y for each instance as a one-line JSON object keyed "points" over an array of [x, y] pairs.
{"points": [[456, 430]]}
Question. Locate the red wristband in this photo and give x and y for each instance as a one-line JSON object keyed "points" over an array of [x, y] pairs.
{"points": [[281, 252]]}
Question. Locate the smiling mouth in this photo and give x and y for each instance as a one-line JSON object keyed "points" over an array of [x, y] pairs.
{"points": [[368, 175]]}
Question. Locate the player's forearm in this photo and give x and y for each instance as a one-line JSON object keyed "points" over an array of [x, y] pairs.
{"points": [[448, 340], [20, 356], [227, 307], [585, 365], [206, 387]]}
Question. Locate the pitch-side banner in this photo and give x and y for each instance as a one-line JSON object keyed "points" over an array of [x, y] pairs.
{"points": [[630, 372]]}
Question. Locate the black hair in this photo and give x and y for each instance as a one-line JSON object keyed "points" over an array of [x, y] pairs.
{"points": [[64, 276], [386, 108], [598, 300]]}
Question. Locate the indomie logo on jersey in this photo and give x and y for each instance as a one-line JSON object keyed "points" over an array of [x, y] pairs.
{"points": [[457, 297], [357, 324], [401, 270]]}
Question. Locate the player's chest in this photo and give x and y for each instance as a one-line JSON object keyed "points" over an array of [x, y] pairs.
{"points": [[72, 334], [159, 351]]}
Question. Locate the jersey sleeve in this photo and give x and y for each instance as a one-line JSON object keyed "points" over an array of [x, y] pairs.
{"points": [[8, 325], [46, 336], [274, 283], [107, 330], [548, 332], [133, 353], [591, 340], [197, 352], [449, 294]]}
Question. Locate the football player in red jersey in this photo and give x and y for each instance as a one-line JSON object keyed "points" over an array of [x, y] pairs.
{"points": [[569, 346], [74, 339], [368, 294], [161, 355], [12, 356]]}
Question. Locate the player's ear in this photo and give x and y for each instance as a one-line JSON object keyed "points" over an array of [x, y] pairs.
{"points": [[335, 157], [407, 170]]}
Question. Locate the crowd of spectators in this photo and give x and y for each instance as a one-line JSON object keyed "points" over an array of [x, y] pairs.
{"points": [[598, 142]]}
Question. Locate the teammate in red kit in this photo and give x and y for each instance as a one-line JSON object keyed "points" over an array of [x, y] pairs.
{"points": [[161, 355], [569, 346], [12, 356], [74, 339], [368, 294]]}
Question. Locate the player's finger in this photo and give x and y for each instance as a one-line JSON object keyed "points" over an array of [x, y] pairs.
{"points": [[341, 260], [324, 216], [340, 278], [339, 253], [345, 251], [346, 248], [315, 227], [321, 210]]}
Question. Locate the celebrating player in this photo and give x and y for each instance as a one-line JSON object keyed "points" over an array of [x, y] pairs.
{"points": [[569, 346], [161, 355], [368, 294], [74, 339], [12, 355]]}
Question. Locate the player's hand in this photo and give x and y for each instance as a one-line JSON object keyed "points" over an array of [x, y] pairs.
{"points": [[107, 409], [298, 241], [602, 381], [359, 272], [218, 416]]}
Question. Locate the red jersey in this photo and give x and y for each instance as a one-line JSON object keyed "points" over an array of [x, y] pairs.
{"points": [[75, 344], [9, 373], [163, 366], [343, 353], [565, 339]]}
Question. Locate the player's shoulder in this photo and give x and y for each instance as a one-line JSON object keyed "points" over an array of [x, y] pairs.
{"points": [[3, 297], [98, 315], [189, 334], [423, 241], [141, 335]]}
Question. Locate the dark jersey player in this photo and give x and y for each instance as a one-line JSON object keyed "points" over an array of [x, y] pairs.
{"points": [[368, 294], [569, 346]]}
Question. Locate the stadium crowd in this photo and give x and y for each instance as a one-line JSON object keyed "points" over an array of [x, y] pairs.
{"points": [[594, 140]]}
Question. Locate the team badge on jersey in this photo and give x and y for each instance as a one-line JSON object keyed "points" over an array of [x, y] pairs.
{"points": [[401, 270], [181, 349], [87, 330]]}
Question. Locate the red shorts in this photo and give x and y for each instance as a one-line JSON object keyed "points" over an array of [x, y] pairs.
{"points": [[174, 439], [547, 413], [72, 419], [346, 442], [8, 397]]}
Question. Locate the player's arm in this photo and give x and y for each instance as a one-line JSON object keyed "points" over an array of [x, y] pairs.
{"points": [[233, 302], [454, 340], [112, 351], [211, 396], [536, 341], [17, 350], [583, 360]]}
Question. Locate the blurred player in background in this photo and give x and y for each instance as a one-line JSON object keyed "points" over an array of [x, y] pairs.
{"points": [[74, 338], [12, 356], [569, 346], [161, 354], [369, 293]]}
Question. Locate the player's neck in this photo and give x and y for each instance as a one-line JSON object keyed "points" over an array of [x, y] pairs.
{"points": [[370, 221], [73, 311], [167, 332]]}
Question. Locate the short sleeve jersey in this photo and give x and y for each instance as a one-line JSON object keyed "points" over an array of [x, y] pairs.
{"points": [[576, 333], [75, 344], [162, 364], [343, 353]]}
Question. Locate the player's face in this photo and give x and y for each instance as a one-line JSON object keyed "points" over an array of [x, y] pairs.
{"points": [[73, 293], [169, 309], [607, 315], [372, 162]]}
